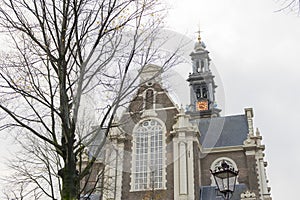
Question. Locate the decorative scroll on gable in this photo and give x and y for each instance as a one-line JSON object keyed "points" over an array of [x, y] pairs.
{"points": [[248, 195]]}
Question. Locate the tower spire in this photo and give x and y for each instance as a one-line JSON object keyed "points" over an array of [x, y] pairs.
{"points": [[202, 85]]}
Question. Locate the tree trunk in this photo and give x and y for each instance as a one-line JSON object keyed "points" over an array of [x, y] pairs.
{"points": [[69, 176]]}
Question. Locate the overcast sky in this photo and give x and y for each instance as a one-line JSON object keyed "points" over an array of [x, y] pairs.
{"points": [[256, 53]]}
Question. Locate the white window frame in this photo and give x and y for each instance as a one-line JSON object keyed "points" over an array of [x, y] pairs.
{"points": [[149, 172]]}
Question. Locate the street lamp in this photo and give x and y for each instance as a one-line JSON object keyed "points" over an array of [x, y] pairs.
{"points": [[225, 177]]}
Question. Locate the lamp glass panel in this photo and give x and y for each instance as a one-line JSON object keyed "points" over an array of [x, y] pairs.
{"points": [[225, 180], [232, 183], [221, 183]]}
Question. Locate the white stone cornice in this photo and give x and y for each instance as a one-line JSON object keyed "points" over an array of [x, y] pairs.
{"points": [[222, 149], [156, 109]]}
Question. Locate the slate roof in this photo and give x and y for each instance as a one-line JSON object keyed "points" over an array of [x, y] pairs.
{"points": [[222, 131], [211, 193]]}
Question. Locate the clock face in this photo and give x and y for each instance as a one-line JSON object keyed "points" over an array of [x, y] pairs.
{"points": [[202, 105]]}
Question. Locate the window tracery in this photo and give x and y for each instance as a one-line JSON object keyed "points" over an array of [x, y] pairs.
{"points": [[148, 155]]}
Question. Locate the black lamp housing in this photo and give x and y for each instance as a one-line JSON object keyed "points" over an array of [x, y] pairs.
{"points": [[225, 177]]}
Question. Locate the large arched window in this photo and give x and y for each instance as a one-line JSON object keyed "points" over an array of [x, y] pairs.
{"points": [[148, 156]]}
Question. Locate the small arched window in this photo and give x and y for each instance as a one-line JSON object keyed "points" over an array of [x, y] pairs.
{"points": [[198, 68], [204, 92], [202, 66], [201, 92], [198, 93], [149, 99]]}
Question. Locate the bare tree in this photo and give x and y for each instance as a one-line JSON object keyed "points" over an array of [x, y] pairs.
{"points": [[35, 168], [63, 51], [292, 6]]}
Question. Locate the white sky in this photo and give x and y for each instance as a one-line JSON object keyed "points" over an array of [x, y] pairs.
{"points": [[256, 53]]}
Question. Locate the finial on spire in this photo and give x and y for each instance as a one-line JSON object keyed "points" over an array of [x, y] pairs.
{"points": [[199, 36], [199, 46]]}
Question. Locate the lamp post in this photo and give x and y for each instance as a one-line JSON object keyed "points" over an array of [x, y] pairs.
{"points": [[225, 177]]}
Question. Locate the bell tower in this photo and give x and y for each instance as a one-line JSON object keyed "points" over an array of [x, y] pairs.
{"points": [[202, 85]]}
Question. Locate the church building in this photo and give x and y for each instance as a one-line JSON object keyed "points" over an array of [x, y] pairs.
{"points": [[164, 152]]}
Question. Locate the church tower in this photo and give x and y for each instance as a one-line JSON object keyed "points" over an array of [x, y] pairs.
{"points": [[202, 85], [162, 152], [230, 139]]}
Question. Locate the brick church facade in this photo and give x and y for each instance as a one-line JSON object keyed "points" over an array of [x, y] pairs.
{"points": [[164, 152]]}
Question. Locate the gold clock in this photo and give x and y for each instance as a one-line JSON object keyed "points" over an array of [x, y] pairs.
{"points": [[202, 105]]}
